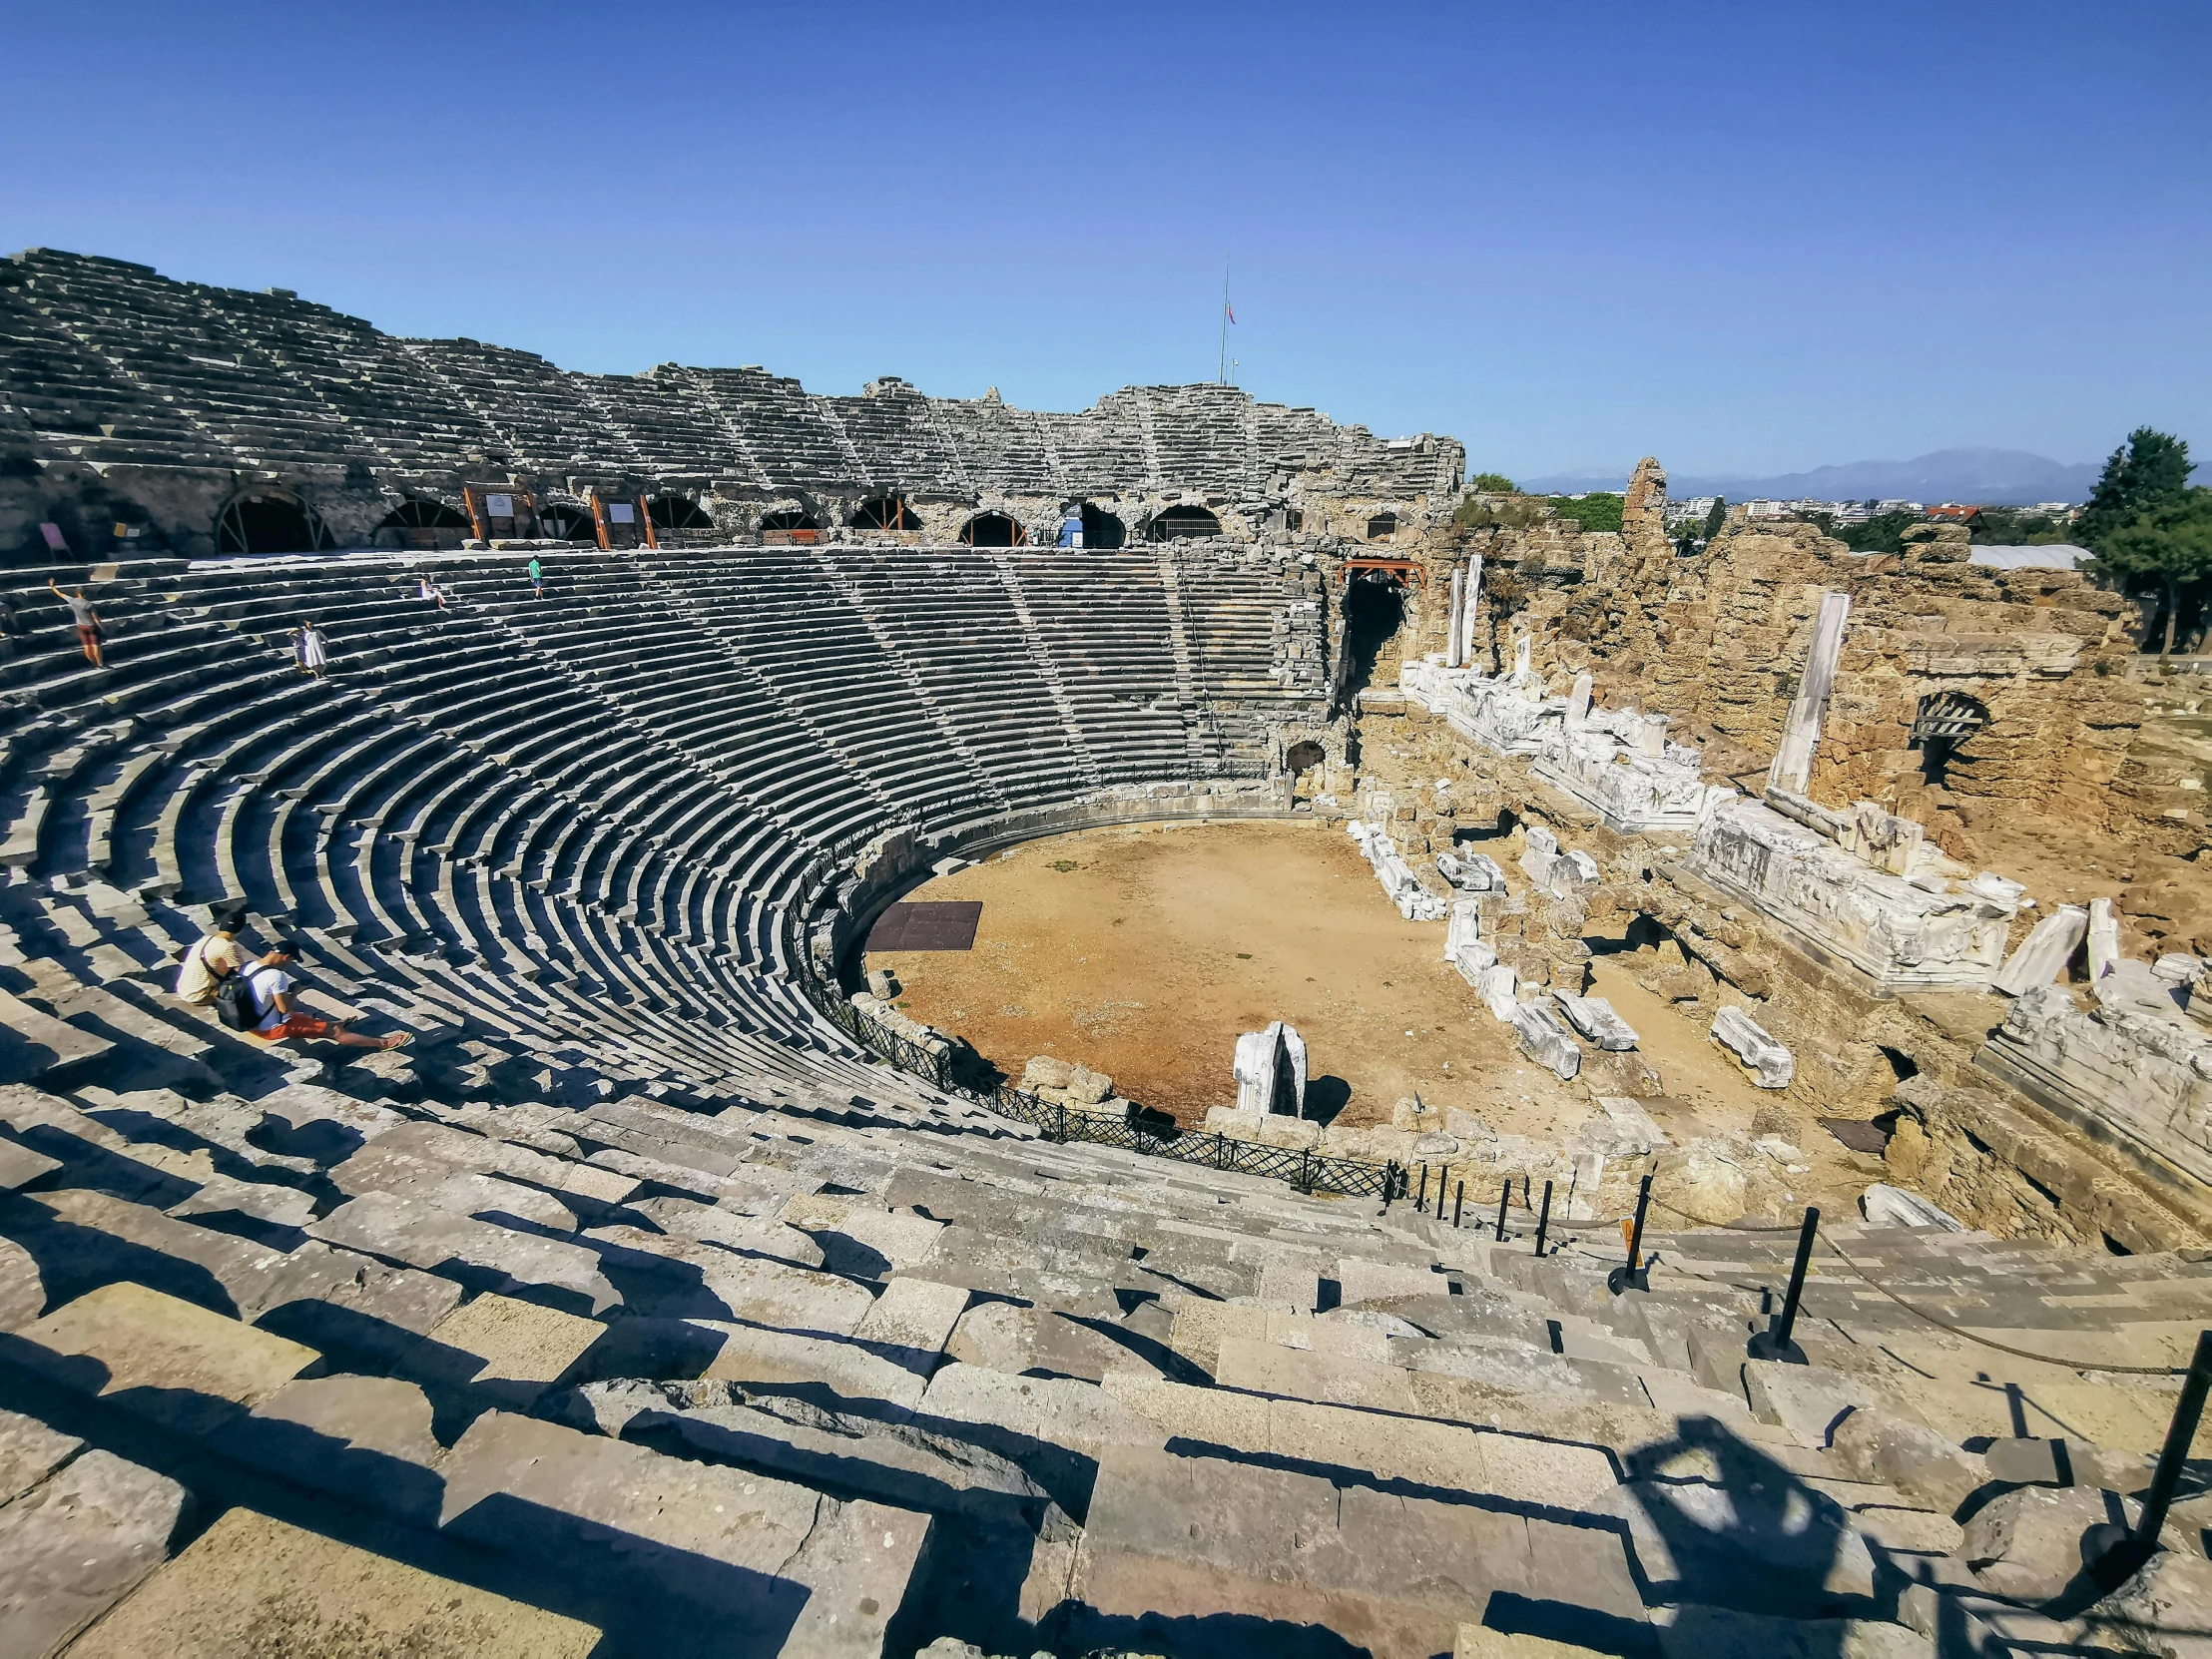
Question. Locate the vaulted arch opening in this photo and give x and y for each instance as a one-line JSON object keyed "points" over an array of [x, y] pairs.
{"points": [[1183, 525], [1945, 723], [270, 523], [885, 512], [993, 530], [561, 521], [417, 522], [1102, 528]]}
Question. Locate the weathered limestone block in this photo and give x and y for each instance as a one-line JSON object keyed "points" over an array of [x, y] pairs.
{"points": [[2043, 956], [882, 984], [1270, 1069], [1877, 1445], [1545, 1039], [2105, 938], [1471, 872], [1772, 1066], [1888, 1206], [1496, 983], [1595, 1019], [1918, 932], [76, 1544], [2027, 1543], [2147, 1075]]}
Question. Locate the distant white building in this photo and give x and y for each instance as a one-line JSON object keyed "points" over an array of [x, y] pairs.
{"points": [[2056, 556]]}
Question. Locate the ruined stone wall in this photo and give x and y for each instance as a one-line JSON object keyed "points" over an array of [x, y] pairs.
{"points": [[1717, 641]]}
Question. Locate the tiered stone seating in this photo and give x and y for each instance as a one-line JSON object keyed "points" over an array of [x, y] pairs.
{"points": [[632, 1307], [673, 426], [905, 444], [548, 419], [793, 434], [159, 336], [72, 404], [380, 390]]}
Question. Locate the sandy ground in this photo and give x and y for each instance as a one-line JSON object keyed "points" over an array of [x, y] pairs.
{"points": [[1143, 953]]}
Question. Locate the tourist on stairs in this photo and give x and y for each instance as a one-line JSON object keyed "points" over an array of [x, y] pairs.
{"points": [[87, 623], [272, 986], [315, 650]]}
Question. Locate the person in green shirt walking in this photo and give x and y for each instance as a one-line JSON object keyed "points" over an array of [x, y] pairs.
{"points": [[537, 578]]}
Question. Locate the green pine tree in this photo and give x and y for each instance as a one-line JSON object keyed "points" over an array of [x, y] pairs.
{"points": [[1717, 517], [2170, 544], [2147, 472]]}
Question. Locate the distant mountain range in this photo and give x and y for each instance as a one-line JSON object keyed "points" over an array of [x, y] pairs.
{"points": [[1999, 477]]}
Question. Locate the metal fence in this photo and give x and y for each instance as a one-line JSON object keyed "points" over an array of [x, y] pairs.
{"points": [[1153, 1136]]}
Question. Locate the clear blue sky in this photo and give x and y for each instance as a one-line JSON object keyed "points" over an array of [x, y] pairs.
{"points": [[1745, 238]]}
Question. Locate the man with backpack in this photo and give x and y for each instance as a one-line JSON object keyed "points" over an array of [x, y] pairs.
{"points": [[258, 1000], [215, 957]]}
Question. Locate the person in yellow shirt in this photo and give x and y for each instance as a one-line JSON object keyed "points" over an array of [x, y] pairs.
{"points": [[216, 955]]}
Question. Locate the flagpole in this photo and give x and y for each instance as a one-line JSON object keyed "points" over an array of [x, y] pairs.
{"points": [[1221, 370]]}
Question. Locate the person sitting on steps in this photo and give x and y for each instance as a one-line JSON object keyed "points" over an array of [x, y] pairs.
{"points": [[271, 984], [215, 957]]}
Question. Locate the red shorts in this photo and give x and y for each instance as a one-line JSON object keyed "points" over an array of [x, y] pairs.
{"points": [[298, 1025]]}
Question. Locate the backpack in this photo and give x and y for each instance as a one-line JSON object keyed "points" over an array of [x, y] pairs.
{"points": [[233, 1000]]}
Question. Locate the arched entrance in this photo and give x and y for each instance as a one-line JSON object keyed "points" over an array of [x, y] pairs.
{"points": [[678, 519], [559, 521], [885, 512], [1102, 528], [993, 530], [1182, 524], [1945, 722], [268, 523], [416, 522], [1374, 610], [787, 519]]}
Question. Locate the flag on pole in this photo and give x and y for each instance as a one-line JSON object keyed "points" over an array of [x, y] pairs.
{"points": [[1231, 309]]}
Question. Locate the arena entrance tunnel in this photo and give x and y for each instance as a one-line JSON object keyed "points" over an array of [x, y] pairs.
{"points": [[418, 523], [1182, 524], [1374, 611], [884, 512], [1102, 529], [270, 523], [993, 530]]}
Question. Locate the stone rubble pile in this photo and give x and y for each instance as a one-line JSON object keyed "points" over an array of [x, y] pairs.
{"points": [[1414, 901]]}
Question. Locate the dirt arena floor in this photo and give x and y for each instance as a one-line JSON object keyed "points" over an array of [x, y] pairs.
{"points": [[1143, 951]]}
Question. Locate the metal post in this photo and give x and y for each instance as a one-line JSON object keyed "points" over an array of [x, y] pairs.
{"points": [[1458, 1197], [1788, 1320], [1420, 1203], [1504, 1197], [1390, 1184], [1543, 1222], [2179, 1434], [1636, 1233]]}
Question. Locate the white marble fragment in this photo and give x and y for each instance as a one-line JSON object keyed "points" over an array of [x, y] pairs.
{"points": [[1545, 1039], [1771, 1065], [1497, 984], [1594, 1017], [1886, 1206], [2105, 938], [2043, 956]]}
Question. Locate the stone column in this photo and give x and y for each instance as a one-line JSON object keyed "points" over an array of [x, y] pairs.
{"points": [[1578, 699], [1793, 761], [1466, 610], [1454, 648]]}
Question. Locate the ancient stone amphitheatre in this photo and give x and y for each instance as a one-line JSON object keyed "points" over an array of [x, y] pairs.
{"points": [[685, 1285]]}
